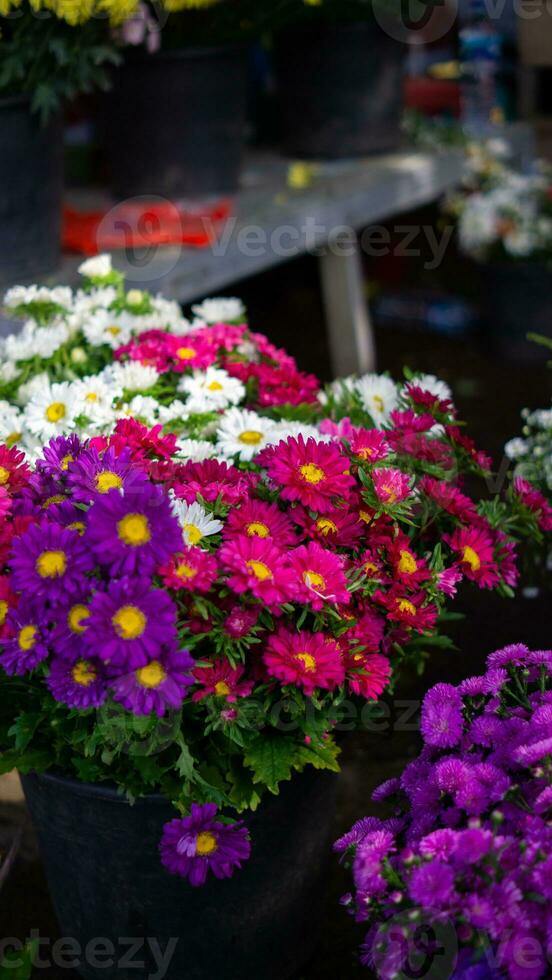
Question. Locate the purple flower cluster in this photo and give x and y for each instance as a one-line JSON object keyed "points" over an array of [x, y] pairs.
{"points": [[94, 533], [470, 839]]}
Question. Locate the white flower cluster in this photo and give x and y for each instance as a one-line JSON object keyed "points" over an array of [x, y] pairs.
{"points": [[532, 451]]}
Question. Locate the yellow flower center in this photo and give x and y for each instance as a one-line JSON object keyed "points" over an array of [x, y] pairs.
{"points": [[66, 461], [27, 638], [260, 570], [325, 526], [57, 498], [129, 622], [134, 530], [308, 661], [12, 439], [406, 606], [370, 568], [83, 673], [312, 473], [3, 611], [206, 843], [151, 676], [407, 563], [257, 530], [186, 353], [313, 580], [193, 534], [55, 412], [221, 689], [214, 386], [91, 397], [183, 570], [378, 402], [365, 452], [471, 558], [389, 493], [51, 564], [114, 330], [250, 437], [107, 481], [76, 617], [77, 526], [365, 516], [4, 475]]}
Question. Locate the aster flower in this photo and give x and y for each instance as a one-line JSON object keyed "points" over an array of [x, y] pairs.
{"points": [[370, 445], [79, 683], [157, 686], [59, 454], [475, 549], [28, 643], [412, 610], [211, 390], [432, 885], [256, 566], [209, 480], [239, 622], [192, 569], [130, 625], [368, 674], [67, 637], [378, 396], [14, 470], [392, 486], [313, 473], [133, 535], [219, 679], [243, 433], [449, 498], [307, 660], [94, 474], [195, 845], [318, 576], [535, 501], [442, 723], [195, 522], [258, 519], [50, 562], [51, 411]]}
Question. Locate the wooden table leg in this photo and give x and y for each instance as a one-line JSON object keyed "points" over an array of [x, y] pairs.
{"points": [[350, 331]]}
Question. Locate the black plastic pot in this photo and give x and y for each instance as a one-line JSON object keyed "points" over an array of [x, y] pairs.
{"points": [[31, 183], [106, 881], [175, 123], [341, 90], [517, 300]]}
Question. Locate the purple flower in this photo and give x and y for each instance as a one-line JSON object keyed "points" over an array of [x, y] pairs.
{"points": [[79, 685], [358, 832], [71, 623], [59, 455], [439, 844], [95, 475], [49, 562], [193, 846], [160, 685], [442, 723], [432, 885], [130, 625], [28, 645], [135, 535], [367, 867], [513, 655]]}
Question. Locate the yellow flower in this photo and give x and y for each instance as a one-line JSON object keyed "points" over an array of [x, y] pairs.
{"points": [[173, 6]]}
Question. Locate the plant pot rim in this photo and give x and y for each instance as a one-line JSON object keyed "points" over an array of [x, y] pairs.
{"points": [[106, 790]]}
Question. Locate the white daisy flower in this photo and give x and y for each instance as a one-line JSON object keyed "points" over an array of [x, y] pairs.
{"points": [[51, 411], [97, 299], [32, 387], [27, 295], [141, 407], [21, 346], [132, 376], [243, 433], [428, 382], [516, 448], [8, 372], [286, 430], [195, 450], [104, 327], [94, 398], [177, 411], [220, 309], [195, 522], [48, 340], [96, 267], [378, 396], [211, 390], [11, 424]]}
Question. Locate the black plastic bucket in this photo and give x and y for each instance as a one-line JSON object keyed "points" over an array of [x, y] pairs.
{"points": [[517, 300], [31, 184], [341, 90], [106, 881], [175, 123]]}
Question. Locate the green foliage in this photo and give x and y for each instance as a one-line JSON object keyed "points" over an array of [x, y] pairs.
{"points": [[18, 964]]}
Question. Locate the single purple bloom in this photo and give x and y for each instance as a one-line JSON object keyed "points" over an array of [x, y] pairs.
{"points": [[28, 645], [50, 562], [193, 846], [59, 455], [67, 638], [432, 885], [129, 625], [95, 474], [442, 723], [160, 685], [79, 685]]}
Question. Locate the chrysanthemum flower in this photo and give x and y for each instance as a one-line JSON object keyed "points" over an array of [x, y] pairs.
{"points": [[370, 444], [79, 683], [28, 643], [243, 433], [239, 622], [368, 631], [475, 550], [14, 471], [258, 519], [442, 723], [449, 498], [197, 844], [412, 609], [392, 486], [143, 442], [136, 535], [221, 680], [67, 639], [211, 479], [339, 528], [318, 576], [192, 569], [211, 390], [129, 625], [50, 562], [195, 522], [94, 474], [368, 674], [158, 685], [308, 660], [311, 472], [535, 501], [59, 454], [378, 396], [257, 566], [407, 566]]}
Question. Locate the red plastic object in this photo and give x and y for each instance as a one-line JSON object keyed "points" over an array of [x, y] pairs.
{"points": [[139, 223], [432, 95]]}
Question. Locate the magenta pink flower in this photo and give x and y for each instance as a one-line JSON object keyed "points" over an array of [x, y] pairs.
{"points": [[221, 680], [535, 502], [257, 519], [308, 660], [193, 569], [318, 576], [475, 550], [368, 674], [391, 486], [370, 444], [256, 566], [314, 473]]}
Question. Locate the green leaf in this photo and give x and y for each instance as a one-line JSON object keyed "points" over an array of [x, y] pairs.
{"points": [[271, 757], [320, 756], [18, 964], [34, 760], [24, 728]]}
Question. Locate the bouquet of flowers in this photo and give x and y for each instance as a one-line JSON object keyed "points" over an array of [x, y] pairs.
{"points": [[466, 852]]}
